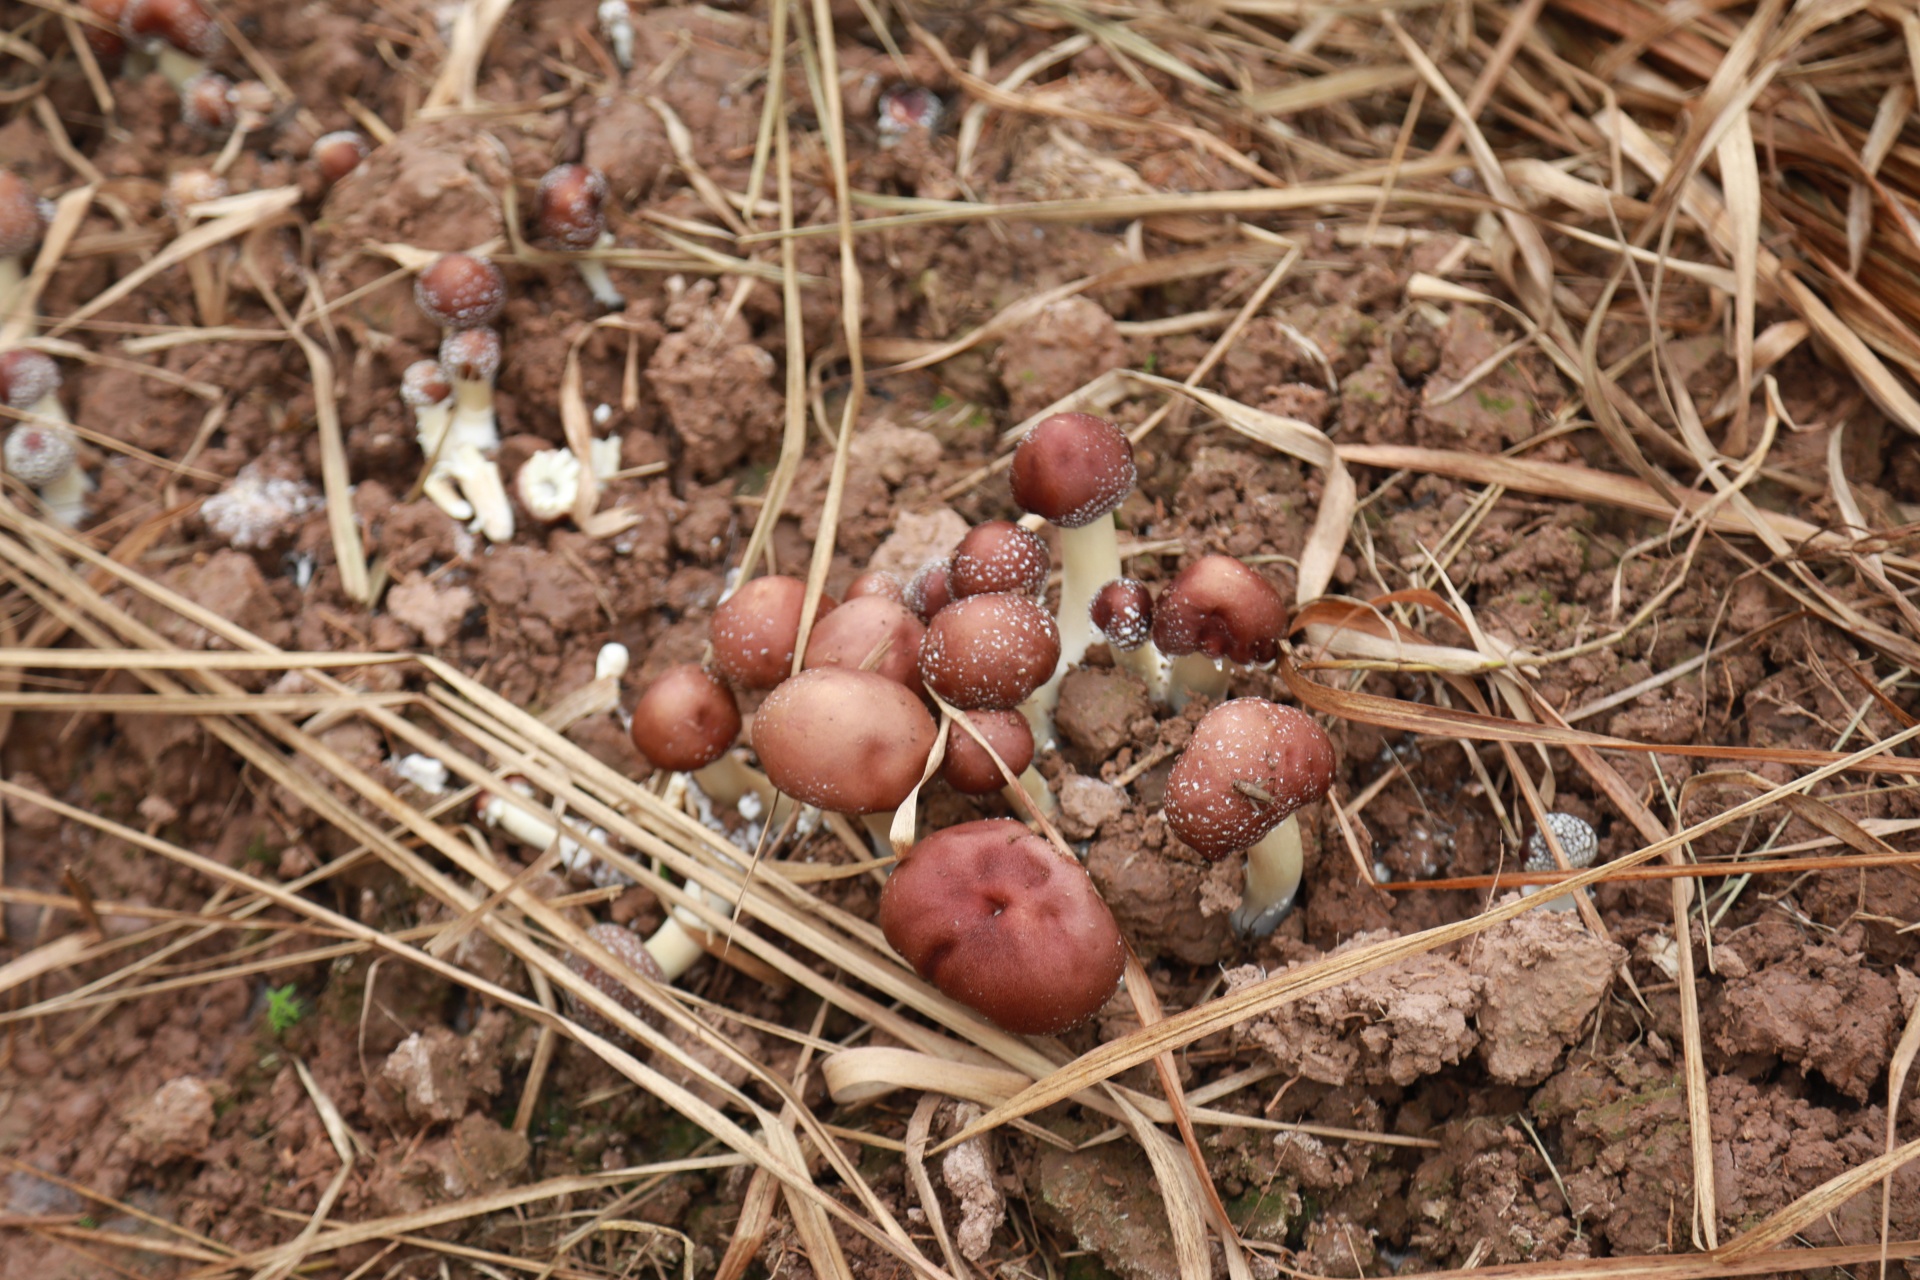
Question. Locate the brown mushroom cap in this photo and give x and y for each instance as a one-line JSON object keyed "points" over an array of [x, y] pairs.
{"points": [[843, 740], [626, 947], [989, 652], [1220, 607], [755, 629], [997, 919], [849, 635], [930, 591], [1248, 766], [686, 719], [1072, 469], [106, 40], [23, 215], [570, 206], [1123, 610], [185, 24], [460, 291], [27, 377], [968, 768], [998, 556], [425, 383], [878, 582], [471, 355], [206, 103], [339, 153]]}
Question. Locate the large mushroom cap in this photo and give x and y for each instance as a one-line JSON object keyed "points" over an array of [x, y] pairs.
{"points": [[570, 206], [755, 629], [998, 556], [989, 652], [23, 215], [1220, 607], [1248, 766], [187, 25], [686, 719], [460, 291], [997, 919], [968, 768], [1123, 610], [859, 629], [1072, 469], [843, 740]]}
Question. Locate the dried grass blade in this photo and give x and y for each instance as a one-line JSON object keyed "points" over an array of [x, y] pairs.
{"points": [[1903, 1056], [1785, 1223], [1740, 181], [809, 1223]]}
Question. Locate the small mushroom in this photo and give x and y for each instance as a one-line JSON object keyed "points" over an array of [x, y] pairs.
{"points": [[181, 35], [1577, 841], [23, 218], [1000, 921], [871, 633], [569, 213], [460, 291], [337, 154], [625, 946], [879, 582], [756, 629], [998, 556], [471, 359], [930, 590], [967, 767], [42, 454], [206, 104], [428, 392], [1248, 767], [1123, 612], [989, 652], [686, 722], [1216, 610]]}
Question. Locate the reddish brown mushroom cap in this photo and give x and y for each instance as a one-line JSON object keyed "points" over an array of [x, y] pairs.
{"points": [[852, 633], [998, 556], [998, 920], [626, 947], [23, 215], [1072, 469], [106, 40], [968, 768], [338, 154], [989, 652], [206, 102], [569, 208], [1248, 766], [187, 25], [878, 582], [471, 355], [425, 383], [1220, 607], [686, 719], [26, 378], [755, 629], [843, 740], [460, 291], [1123, 610], [930, 591]]}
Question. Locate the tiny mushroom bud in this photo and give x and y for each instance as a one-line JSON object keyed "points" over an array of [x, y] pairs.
{"points": [[989, 652], [686, 722], [998, 556], [967, 767], [872, 633], [616, 23], [612, 661], [844, 740], [338, 154], [460, 291], [1073, 470], [906, 109], [182, 34], [1249, 765], [41, 454], [755, 630], [1123, 611], [569, 211], [878, 582], [206, 103], [548, 482], [930, 591], [1577, 841], [1000, 921], [23, 217], [1216, 608]]}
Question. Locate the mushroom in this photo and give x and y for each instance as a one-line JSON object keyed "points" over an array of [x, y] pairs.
{"points": [[548, 482], [967, 767], [427, 391], [616, 24], [338, 154], [1000, 921], [1073, 470], [625, 946], [471, 360], [1123, 611], [1577, 841], [989, 652], [878, 582], [756, 629], [103, 32], [23, 217], [930, 591], [569, 212], [536, 832], [41, 454], [686, 722], [460, 291], [844, 740], [181, 34], [998, 556], [206, 103], [872, 633], [1216, 609], [1248, 767]]}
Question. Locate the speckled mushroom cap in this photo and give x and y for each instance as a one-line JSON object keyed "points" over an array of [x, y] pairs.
{"points": [[967, 767], [849, 635], [998, 556], [187, 25], [425, 383], [878, 582], [570, 206], [37, 456], [686, 719], [471, 355], [26, 378], [929, 592], [339, 153], [989, 652], [755, 629], [1248, 766], [1577, 841], [460, 291], [843, 740], [1000, 921], [1123, 610], [23, 215], [626, 947], [206, 103], [1220, 607], [1072, 469]]}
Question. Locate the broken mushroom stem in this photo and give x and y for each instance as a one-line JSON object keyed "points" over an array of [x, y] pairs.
{"points": [[471, 359]]}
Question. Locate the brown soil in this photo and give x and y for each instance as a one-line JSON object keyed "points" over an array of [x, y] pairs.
{"points": [[1538, 1067]]}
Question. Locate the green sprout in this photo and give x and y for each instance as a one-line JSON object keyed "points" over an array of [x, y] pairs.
{"points": [[285, 1008]]}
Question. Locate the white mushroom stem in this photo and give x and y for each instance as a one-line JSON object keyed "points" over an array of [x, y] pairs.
{"points": [[176, 65], [674, 946], [430, 430], [1563, 902], [880, 831], [617, 25], [473, 417], [1195, 675], [599, 283], [1273, 880], [1036, 789], [66, 494], [479, 479], [1147, 662], [1089, 560], [548, 484], [539, 833]]}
